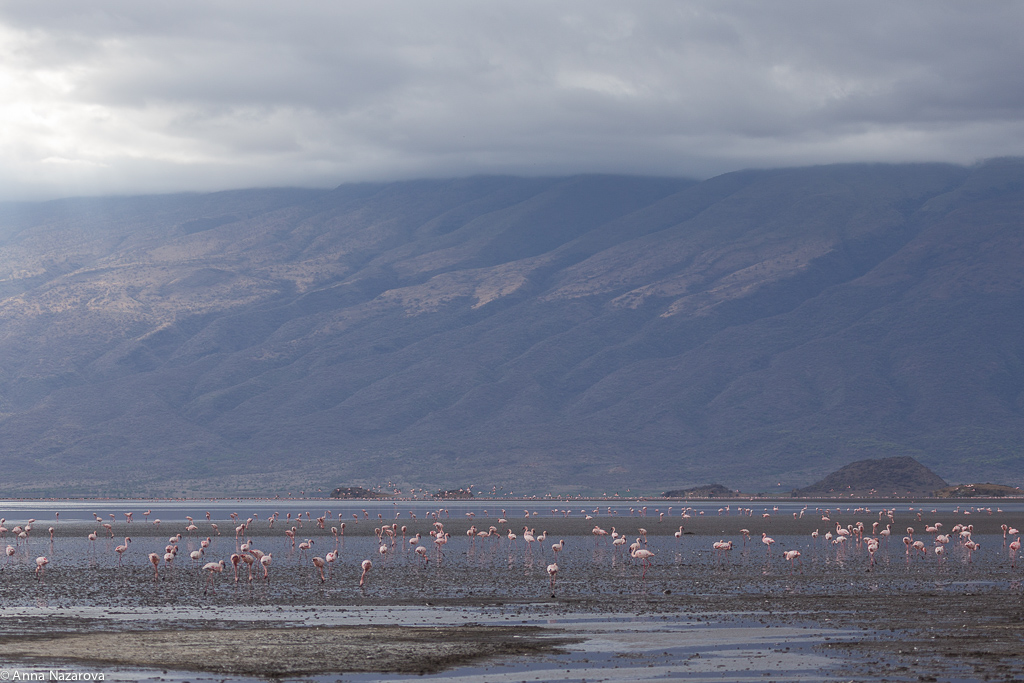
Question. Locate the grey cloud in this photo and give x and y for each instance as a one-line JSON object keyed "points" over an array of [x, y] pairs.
{"points": [[148, 97]]}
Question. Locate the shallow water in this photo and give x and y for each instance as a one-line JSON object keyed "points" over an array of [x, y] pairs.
{"points": [[638, 624], [18, 511]]}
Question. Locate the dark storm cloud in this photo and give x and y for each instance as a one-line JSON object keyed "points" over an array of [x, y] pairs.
{"points": [[141, 97]]}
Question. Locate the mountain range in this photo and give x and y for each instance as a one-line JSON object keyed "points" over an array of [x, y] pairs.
{"points": [[588, 334]]}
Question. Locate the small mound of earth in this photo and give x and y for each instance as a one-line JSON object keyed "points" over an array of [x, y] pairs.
{"points": [[883, 477], [708, 491], [296, 651]]}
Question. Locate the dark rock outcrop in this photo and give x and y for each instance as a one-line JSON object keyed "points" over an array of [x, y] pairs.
{"points": [[707, 491]]}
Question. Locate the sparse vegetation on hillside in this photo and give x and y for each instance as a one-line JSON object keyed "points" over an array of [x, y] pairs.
{"points": [[708, 491], [979, 491], [541, 334], [883, 478]]}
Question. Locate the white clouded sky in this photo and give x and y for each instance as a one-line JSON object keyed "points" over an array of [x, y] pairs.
{"points": [[128, 97]]}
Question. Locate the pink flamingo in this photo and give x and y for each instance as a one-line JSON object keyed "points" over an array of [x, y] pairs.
{"points": [[367, 566], [212, 567], [971, 547], [790, 556], [41, 563], [319, 563], [155, 559], [1014, 547], [249, 560], [329, 558], [265, 563], [120, 550], [645, 558], [235, 559], [422, 552], [553, 573], [767, 540]]}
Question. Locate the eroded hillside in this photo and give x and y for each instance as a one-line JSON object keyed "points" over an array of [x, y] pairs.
{"points": [[588, 333]]}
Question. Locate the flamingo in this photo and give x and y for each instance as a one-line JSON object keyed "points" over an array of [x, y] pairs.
{"points": [[249, 560], [155, 559], [422, 552], [767, 540], [367, 566], [120, 550], [265, 563], [212, 567], [971, 547], [319, 563], [1014, 547], [790, 556], [41, 563], [557, 547], [329, 558], [645, 557], [553, 573]]}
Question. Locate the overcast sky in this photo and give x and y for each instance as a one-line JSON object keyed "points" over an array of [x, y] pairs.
{"points": [[130, 97]]}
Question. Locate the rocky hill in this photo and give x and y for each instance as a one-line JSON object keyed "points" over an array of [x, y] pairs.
{"points": [[885, 477], [706, 491], [591, 333]]}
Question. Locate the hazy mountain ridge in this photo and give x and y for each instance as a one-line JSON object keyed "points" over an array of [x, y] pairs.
{"points": [[594, 332]]}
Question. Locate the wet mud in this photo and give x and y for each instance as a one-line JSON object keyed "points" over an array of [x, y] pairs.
{"points": [[899, 615], [295, 651]]}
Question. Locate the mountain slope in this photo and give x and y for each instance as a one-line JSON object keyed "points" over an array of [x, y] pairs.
{"points": [[585, 333]]}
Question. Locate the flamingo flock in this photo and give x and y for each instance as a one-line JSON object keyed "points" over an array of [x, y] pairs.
{"points": [[845, 540]]}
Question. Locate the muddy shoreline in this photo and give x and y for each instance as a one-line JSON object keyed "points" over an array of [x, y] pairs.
{"points": [[293, 652], [896, 616], [916, 636]]}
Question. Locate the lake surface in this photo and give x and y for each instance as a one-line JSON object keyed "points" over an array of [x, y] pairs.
{"points": [[693, 614]]}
